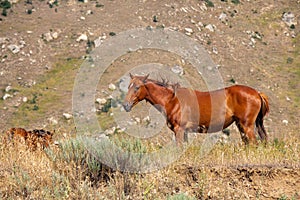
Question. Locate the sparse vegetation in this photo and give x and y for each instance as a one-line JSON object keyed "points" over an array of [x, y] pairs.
{"points": [[235, 1], [72, 170], [209, 3], [5, 5]]}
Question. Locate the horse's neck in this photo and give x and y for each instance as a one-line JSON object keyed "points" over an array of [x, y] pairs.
{"points": [[158, 95]]}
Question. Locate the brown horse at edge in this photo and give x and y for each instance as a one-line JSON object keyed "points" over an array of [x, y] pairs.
{"points": [[212, 111]]}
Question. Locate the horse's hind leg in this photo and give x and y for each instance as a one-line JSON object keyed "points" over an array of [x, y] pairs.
{"points": [[247, 132], [261, 130]]}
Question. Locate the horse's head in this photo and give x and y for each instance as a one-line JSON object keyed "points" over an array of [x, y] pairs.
{"points": [[136, 91]]}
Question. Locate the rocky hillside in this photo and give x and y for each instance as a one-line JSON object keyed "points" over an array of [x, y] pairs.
{"points": [[44, 43], [253, 43]]}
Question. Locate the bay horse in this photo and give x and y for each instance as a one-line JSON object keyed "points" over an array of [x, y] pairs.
{"points": [[205, 112]]}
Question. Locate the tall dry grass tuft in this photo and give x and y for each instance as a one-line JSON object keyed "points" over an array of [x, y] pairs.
{"points": [[69, 171]]}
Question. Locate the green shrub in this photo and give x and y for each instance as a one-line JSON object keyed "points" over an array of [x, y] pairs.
{"points": [[208, 3], [235, 1]]}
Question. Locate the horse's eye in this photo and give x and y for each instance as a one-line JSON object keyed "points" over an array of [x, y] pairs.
{"points": [[136, 88]]}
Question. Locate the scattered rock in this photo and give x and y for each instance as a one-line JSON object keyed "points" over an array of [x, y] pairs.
{"points": [[215, 50], [110, 131], [6, 96], [203, 7], [223, 17], [146, 119], [3, 40], [82, 37], [137, 119], [99, 40], [177, 70], [188, 31], [8, 88], [289, 19], [25, 99], [123, 84], [89, 12], [112, 86], [14, 48], [210, 27], [55, 35], [285, 122], [101, 101], [50, 36], [67, 116], [13, 1], [52, 2]]}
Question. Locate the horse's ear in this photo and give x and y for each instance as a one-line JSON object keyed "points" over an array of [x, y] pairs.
{"points": [[145, 78], [131, 76]]}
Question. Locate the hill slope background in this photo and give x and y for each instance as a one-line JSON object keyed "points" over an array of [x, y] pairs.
{"points": [[43, 45]]}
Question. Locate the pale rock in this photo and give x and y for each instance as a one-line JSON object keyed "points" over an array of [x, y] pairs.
{"points": [[99, 40], [13, 1], [137, 119], [6, 96], [110, 131], [285, 122], [3, 40], [101, 101], [289, 19], [24, 99], [54, 35], [177, 70], [215, 50], [89, 12], [203, 7], [210, 27], [14, 48], [67, 116], [82, 37], [124, 83], [223, 17], [47, 36], [8, 88], [112, 86], [188, 31], [146, 119]]}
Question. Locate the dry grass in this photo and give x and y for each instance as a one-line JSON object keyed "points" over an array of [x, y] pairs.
{"points": [[71, 172]]}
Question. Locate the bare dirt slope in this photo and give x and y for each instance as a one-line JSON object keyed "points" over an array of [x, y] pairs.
{"points": [[248, 40]]}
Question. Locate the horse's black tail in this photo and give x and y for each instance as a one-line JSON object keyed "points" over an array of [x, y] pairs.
{"points": [[264, 109]]}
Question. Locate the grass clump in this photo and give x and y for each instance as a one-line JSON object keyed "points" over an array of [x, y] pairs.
{"points": [[209, 3], [235, 2], [5, 5], [43, 97]]}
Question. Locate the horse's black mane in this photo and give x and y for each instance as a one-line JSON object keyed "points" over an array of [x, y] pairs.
{"points": [[165, 83]]}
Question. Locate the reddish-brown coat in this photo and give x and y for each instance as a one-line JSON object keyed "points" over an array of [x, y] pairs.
{"points": [[186, 109]]}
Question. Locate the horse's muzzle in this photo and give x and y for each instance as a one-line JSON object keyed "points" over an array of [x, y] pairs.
{"points": [[127, 106]]}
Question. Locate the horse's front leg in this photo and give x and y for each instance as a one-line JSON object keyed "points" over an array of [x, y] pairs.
{"points": [[179, 135]]}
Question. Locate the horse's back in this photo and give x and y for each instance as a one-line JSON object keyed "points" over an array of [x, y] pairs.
{"points": [[243, 100]]}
